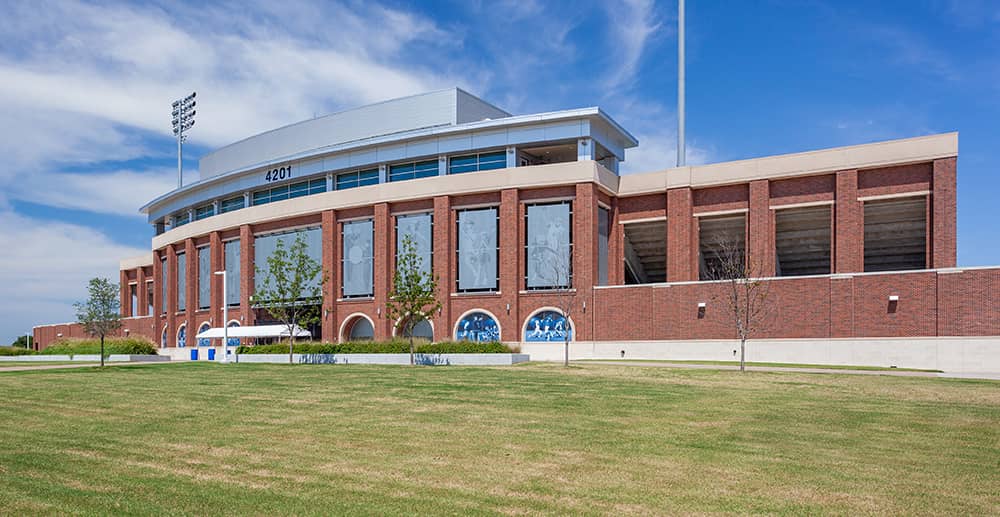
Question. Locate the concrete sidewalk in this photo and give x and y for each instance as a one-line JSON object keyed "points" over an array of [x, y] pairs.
{"points": [[789, 369]]}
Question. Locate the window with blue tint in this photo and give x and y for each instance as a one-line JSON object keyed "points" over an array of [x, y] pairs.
{"points": [[477, 162], [182, 219], [233, 203], [204, 211], [181, 282], [478, 251], [231, 250], [548, 246], [204, 277], [356, 179], [413, 170], [265, 245], [357, 259], [163, 285], [261, 197], [302, 188]]}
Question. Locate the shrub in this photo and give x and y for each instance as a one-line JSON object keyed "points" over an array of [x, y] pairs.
{"points": [[129, 345], [379, 347], [11, 350]]}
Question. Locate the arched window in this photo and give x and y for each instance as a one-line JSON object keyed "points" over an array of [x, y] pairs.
{"points": [[547, 325], [204, 341], [359, 328], [477, 325], [182, 336], [233, 341], [422, 330], [163, 337]]}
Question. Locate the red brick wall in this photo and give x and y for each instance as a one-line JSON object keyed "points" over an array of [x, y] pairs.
{"points": [[943, 216]]}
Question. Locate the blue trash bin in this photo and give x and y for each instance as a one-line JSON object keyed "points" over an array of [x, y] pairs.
{"points": [[211, 354], [194, 354]]}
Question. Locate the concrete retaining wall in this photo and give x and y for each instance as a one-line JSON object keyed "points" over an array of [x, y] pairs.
{"points": [[950, 354], [425, 359], [113, 358]]}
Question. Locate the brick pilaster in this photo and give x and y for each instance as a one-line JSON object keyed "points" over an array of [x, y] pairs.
{"points": [[682, 237], [140, 280], [124, 300], [616, 247], [943, 227], [246, 274], [443, 259], [383, 269], [511, 266], [849, 227], [217, 263], [584, 257], [760, 222], [171, 308], [330, 286]]}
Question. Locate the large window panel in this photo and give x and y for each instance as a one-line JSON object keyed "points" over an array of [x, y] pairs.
{"points": [[896, 234], [204, 277], [232, 259], [645, 251], [722, 246], [149, 299], [181, 282], [419, 227], [356, 179], [549, 241], [358, 259], [802, 241], [413, 170], [233, 203], [603, 232], [163, 284], [477, 250], [264, 246]]}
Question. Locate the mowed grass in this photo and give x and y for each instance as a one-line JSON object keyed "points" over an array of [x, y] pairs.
{"points": [[593, 439]]}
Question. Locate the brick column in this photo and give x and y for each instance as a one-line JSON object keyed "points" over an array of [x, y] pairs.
{"points": [[125, 307], [191, 288], [682, 237], [511, 263], [246, 274], [849, 226], [171, 287], [383, 270], [217, 263], [584, 258], [158, 320], [444, 256], [330, 286], [943, 229], [760, 223], [616, 247], [140, 281]]}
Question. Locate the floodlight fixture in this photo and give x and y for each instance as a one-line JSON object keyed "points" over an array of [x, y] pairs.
{"points": [[183, 119]]}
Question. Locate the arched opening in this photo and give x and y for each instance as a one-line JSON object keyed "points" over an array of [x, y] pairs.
{"points": [[423, 330], [547, 325], [357, 327], [233, 341], [163, 337], [182, 336], [477, 325], [204, 341]]}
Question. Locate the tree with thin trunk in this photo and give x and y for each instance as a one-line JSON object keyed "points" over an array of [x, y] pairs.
{"points": [[100, 314], [556, 272], [746, 296], [413, 297], [292, 288]]}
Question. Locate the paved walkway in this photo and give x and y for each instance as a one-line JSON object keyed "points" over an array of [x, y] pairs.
{"points": [[895, 373]]}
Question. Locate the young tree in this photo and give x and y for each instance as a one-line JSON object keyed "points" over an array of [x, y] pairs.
{"points": [[413, 297], [99, 315], [292, 287], [746, 298], [557, 272]]}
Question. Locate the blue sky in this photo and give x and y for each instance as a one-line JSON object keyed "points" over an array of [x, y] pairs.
{"points": [[87, 89]]}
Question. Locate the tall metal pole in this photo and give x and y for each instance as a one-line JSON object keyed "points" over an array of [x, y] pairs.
{"points": [[225, 320], [180, 161], [680, 84], [183, 119]]}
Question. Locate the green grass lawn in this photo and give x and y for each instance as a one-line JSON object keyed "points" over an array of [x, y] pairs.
{"points": [[778, 365], [593, 439]]}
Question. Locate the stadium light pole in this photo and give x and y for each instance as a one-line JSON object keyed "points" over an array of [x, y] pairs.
{"points": [[225, 320], [183, 118], [680, 84]]}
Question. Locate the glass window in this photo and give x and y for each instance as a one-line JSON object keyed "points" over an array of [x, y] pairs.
{"points": [[477, 250], [477, 326], [302, 188], [356, 179], [149, 298], [361, 330], [203, 341], [233, 341], [204, 277], [182, 219], [413, 170], [265, 245], [548, 326], [182, 336], [181, 282], [204, 211], [477, 162], [603, 228], [133, 296], [548, 246], [358, 259], [231, 249], [233, 203], [163, 284], [419, 227]]}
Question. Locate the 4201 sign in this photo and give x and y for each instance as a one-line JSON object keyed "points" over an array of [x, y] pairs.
{"points": [[278, 174]]}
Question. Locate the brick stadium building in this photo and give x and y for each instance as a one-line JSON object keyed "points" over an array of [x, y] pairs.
{"points": [[858, 243]]}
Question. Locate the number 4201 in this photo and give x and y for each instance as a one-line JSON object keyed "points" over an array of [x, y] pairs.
{"points": [[278, 174]]}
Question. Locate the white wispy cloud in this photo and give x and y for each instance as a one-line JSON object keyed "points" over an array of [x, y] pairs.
{"points": [[632, 24]]}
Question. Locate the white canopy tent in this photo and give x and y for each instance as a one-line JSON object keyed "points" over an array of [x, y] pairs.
{"points": [[259, 331]]}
